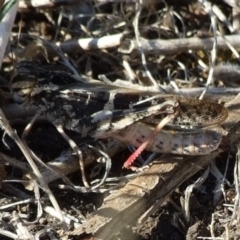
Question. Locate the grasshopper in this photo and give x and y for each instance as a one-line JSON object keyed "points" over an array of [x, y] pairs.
{"points": [[101, 110]]}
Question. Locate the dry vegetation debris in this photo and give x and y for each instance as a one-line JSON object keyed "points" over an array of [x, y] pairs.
{"points": [[177, 47]]}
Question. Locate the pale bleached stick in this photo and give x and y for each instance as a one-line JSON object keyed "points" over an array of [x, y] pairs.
{"points": [[91, 43]]}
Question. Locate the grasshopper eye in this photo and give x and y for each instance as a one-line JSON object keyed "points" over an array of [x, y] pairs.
{"points": [[23, 80]]}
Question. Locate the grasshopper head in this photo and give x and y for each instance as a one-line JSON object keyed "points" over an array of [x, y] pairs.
{"points": [[23, 80]]}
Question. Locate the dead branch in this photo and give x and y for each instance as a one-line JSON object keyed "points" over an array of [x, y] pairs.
{"points": [[172, 46], [129, 203]]}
